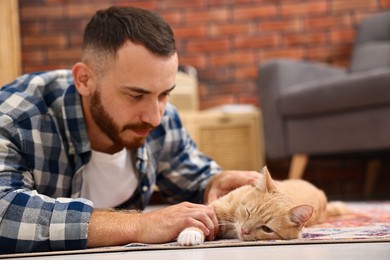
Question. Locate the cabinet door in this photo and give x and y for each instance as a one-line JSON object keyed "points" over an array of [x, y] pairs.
{"points": [[235, 141]]}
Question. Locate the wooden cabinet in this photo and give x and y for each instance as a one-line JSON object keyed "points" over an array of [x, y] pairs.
{"points": [[233, 139]]}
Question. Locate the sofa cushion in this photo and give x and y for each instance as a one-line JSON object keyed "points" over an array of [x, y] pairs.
{"points": [[371, 56], [359, 90], [372, 45]]}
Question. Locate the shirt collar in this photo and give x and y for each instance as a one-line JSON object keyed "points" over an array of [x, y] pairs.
{"points": [[75, 127]]}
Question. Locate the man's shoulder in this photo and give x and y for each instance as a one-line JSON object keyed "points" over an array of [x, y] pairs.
{"points": [[45, 80], [34, 92]]}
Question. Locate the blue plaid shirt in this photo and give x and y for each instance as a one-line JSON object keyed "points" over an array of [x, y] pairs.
{"points": [[43, 148]]}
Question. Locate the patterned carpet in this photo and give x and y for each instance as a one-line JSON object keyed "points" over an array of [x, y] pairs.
{"points": [[367, 222]]}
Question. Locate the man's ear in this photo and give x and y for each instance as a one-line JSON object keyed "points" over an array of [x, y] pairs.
{"points": [[82, 75]]}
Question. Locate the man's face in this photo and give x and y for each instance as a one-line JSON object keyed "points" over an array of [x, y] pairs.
{"points": [[107, 124], [130, 99]]}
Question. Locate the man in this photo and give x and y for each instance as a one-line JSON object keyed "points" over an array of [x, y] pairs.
{"points": [[78, 147]]}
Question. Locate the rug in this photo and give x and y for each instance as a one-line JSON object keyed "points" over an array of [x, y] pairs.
{"points": [[367, 222]]}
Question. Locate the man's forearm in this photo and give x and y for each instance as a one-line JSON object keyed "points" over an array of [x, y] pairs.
{"points": [[113, 228]]}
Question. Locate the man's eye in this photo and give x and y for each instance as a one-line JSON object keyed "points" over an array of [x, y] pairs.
{"points": [[136, 97], [166, 94]]}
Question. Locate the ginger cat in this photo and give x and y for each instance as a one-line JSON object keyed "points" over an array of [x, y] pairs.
{"points": [[270, 210]]}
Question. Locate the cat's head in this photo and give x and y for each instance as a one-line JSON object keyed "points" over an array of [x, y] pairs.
{"points": [[268, 214]]}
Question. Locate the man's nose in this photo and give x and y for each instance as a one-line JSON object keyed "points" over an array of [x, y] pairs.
{"points": [[152, 113]]}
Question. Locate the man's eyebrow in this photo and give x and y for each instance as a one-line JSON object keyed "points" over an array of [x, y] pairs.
{"points": [[138, 89], [145, 91], [170, 89]]}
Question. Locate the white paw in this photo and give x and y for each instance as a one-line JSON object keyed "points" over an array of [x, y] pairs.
{"points": [[190, 237]]}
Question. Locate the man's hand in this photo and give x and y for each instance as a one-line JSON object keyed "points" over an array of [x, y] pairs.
{"points": [[109, 228], [227, 181]]}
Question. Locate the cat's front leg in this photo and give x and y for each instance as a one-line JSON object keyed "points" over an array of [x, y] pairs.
{"points": [[190, 237]]}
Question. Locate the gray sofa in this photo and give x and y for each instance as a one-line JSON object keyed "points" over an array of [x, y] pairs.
{"points": [[316, 109]]}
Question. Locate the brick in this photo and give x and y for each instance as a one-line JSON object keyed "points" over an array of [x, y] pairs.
{"points": [[233, 87], [256, 41], [353, 5], [342, 52], [251, 98], [293, 53], [76, 40], [33, 57], [304, 8], [189, 31], [229, 88], [385, 3], [181, 5], [202, 90], [45, 67], [151, 5], [197, 61], [254, 12], [280, 25], [245, 72], [84, 10], [41, 12], [218, 45], [31, 27], [24, 3], [334, 54], [44, 41], [230, 29], [58, 2], [320, 54], [212, 15], [229, 2], [343, 36], [232, 58], [216, 75], [64, 25], [71, 55], [173, 18], [219, 100], [328, 22], [304, 38]]}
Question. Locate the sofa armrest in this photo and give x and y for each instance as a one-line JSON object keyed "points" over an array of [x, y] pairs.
{"points": [[359, 90], [274, 77]]}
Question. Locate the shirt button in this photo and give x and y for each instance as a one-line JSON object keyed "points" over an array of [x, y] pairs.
{"points": [[145, 188]]}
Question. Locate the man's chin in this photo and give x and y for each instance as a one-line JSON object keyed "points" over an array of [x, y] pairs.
{"points": [[137, 143]]}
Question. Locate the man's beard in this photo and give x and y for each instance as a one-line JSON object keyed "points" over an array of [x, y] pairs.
{"points": [[107, 125]]}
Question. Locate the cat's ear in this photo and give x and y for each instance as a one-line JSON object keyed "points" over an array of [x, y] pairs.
{"points": [[266, 183], [301, 214]]}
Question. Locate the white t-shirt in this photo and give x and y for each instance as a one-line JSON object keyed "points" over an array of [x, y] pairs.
{"points": [[109, 179]]}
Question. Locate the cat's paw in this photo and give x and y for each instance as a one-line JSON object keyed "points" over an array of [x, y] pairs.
{"points": [[190, 237]]}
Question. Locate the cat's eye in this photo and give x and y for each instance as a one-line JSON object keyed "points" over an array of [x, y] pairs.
{"points": [[266, 229], [247, 211]]}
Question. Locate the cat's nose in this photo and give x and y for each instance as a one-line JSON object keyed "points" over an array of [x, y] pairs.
{"points": [[245, 230]]}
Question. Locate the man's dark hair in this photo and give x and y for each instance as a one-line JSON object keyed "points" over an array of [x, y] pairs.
{"points": [[109, 29]]}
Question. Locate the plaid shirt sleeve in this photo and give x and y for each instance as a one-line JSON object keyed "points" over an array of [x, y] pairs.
{"points": [[29, 220]]}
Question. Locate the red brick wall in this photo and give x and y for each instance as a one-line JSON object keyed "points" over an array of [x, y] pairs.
{"points": [[224, 39]]}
